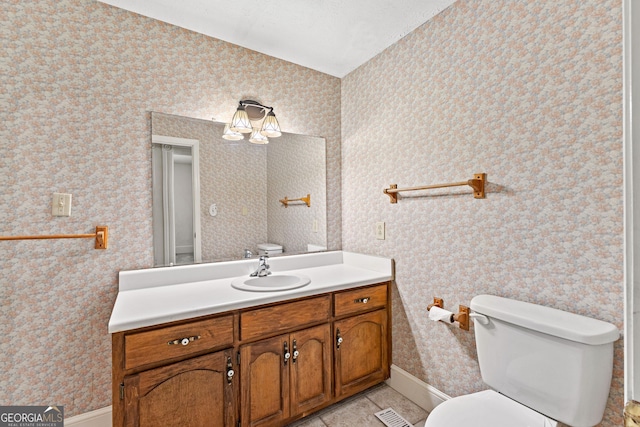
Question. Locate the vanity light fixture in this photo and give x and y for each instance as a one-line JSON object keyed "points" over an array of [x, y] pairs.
{"points": [[250, 111], [240, 121], [231, 135], [258, 138]]}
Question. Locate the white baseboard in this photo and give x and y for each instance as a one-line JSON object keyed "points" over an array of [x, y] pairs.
{"points": [[98, 418], [419, 392]]}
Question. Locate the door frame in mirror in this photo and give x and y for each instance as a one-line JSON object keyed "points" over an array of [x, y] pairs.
{"points": [[194, 144]]}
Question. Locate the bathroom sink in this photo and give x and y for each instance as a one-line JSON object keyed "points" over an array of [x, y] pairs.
{"points": [[274, 282]]}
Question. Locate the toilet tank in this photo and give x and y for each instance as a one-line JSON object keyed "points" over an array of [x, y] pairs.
{"points": [[557, 363], [269, 249]]}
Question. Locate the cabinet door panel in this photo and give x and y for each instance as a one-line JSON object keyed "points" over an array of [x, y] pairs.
{"points": [[362, 357], [311, 370], [193, 393], [265, 382]]}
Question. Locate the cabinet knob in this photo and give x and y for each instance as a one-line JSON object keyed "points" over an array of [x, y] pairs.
{"points": [[287, 355], [230, 371], [362, 300], [184, 341], [296, 353], [338, 339]]}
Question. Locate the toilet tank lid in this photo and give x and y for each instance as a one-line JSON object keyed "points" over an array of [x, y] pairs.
{"points": [[269, 246], [559, 323]]}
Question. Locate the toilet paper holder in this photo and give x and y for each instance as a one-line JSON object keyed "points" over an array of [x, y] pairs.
{"points": [[462, 316]]}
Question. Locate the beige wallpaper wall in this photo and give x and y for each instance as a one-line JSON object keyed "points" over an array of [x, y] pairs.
{"points": [[531, 94], [78, 80]]}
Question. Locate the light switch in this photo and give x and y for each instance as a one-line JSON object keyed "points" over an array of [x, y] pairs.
{"points": [[380, 230], [61, 205]]}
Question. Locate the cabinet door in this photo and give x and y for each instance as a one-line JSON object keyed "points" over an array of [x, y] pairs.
{"points": [[196, 392], [311, 368], [361, 352], [264, 396]]}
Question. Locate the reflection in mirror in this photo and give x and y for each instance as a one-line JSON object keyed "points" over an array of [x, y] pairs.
{"points": [[240, 188], [176, 192]]}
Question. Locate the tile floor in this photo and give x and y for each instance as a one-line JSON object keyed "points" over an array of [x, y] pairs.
{"points": [[359, 410]]}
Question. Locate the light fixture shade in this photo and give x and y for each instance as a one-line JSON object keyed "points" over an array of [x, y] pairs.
{"points": [[231, 135], [240, 122], [270, 126], [258, 138]]}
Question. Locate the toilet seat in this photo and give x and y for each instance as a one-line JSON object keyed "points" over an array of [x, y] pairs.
{"points": [[486, 409]]}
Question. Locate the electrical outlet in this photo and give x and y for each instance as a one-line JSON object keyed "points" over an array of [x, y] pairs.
{"points": [[380, 230], [61, 204]]}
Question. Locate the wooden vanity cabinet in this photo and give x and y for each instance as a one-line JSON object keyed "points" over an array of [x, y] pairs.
{"points": [[265, 366]]}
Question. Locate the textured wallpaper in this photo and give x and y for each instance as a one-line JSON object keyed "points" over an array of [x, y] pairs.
{"points": [[531, 94], [78, 81]]}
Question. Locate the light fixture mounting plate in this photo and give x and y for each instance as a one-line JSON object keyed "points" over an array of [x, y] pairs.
{"points": [[254, 109]]}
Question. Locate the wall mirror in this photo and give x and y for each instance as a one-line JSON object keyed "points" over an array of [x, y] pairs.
{"points": [[213, 199]]}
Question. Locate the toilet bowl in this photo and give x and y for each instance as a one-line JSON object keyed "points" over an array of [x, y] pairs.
{"points": [[486, 409], [543, 365]]}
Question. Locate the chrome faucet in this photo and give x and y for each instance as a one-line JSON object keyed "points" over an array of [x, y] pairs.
{"points": [[247, 254], [263, 267]]}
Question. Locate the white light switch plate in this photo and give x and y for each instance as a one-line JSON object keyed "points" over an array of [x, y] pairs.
{"points": [[380, 230], [61, 204]]}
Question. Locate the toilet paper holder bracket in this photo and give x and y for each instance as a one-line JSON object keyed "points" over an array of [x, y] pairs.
{"points": [[462, 316]]}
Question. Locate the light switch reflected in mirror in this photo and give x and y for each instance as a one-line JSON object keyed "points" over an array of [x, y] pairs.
{"points": [[245, 183]]}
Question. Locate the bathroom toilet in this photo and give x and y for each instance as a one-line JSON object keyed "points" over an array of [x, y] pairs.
{"points": [[543, 365], [269, 249]]}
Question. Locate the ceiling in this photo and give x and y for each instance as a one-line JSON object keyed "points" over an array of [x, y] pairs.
{"points": [[331, 36]]}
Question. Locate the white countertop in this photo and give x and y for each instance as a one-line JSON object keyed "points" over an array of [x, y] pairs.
{"points": [[160, 295]]}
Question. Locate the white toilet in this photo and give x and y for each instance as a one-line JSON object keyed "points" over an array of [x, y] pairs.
{"points": [[543, 365]]}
